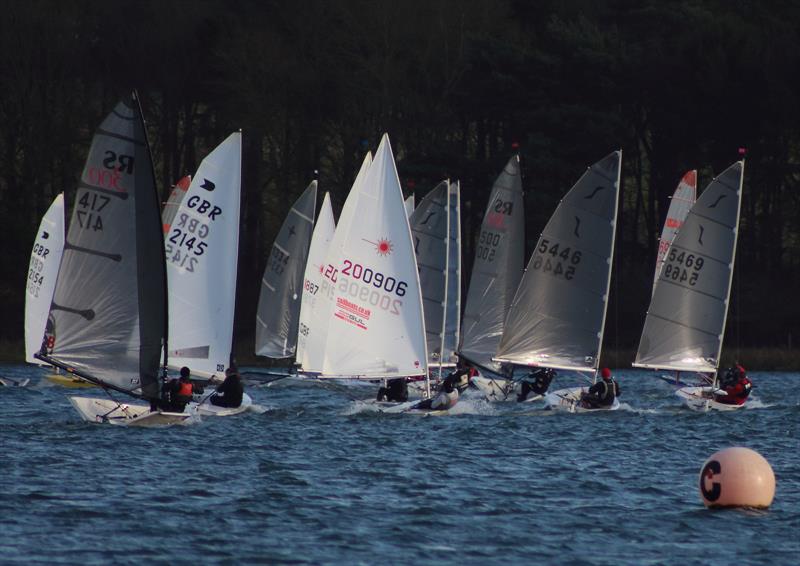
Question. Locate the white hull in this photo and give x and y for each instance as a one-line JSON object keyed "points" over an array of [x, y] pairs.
{"points": [[96, 410], [406, 408], [569, 400], [700, 399], [208, 410]]}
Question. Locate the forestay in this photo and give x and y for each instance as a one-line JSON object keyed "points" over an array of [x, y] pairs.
{"points": [[497, 269], [202, 256], [452, 325], [281, 284], [376, 327], [559, 310], [41, 282], [430, 229], [682, 200], [312, 355], [109, 303], [685, 323], [310, 351]]}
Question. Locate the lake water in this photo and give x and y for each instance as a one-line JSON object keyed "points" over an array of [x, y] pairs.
{"points": [[319, 479]]}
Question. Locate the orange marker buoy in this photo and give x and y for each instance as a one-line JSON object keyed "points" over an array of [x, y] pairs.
{"points": [[737, 477]]}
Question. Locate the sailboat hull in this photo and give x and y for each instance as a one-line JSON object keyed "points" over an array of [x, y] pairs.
{"points": [[698, 399], [95, 410], [69, 381], [499, 390], [568, 400], [209, 410]]}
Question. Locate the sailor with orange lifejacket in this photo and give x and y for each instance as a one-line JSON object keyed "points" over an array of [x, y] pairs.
{"points": [[177, 393], [736, 385]]}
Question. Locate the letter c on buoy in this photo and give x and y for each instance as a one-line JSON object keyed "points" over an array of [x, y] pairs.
{"points": [[711, 469]]}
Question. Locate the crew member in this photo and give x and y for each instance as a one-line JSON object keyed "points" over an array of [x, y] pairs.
{"points": [[230, 393], [177, 393], [736, 385], [536, 383], [396, 391], [447, 396], [602, 393]]}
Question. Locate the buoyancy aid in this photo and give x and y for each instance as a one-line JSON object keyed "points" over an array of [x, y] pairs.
{"points": [[185, 389]]}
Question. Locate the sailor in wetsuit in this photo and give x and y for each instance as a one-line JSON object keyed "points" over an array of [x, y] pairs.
{"points": [[736, 385], [231, 392], [396, 391], [177, 393], [448, 393], [602, 393], [536, 383]]}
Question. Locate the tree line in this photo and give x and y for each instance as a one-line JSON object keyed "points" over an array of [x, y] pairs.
{"points": [[459, 85]]}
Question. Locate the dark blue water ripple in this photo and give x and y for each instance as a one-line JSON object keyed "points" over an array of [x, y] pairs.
{"points": [[318, 479]]}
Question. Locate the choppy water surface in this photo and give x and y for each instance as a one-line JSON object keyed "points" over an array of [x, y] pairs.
{"points": [[319, 479]]}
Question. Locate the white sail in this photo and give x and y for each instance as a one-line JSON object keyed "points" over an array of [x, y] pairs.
{"points": [[452, 325], [281, 285], [311, 356], [410, 205], [202, 249], [430, 229], [680, 203], [559, 311], [497, 269], [42, 273], [685, 323], [310, 352], [376, 328], [108, 309]]}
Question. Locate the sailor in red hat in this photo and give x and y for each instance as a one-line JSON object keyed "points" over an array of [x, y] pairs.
{"points": [[602, 393]]}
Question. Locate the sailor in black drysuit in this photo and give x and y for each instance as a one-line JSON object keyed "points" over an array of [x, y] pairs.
{"points": [[602, 393], [536, 383], [230, 393], [396, 391], [455, 383]]}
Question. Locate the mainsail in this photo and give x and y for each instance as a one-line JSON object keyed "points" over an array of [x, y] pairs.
{"points": [[497, 269], [376, 327], [311, 357], [310, 351], [202, 256], [559, 311], [281, 284], [685, 323], [430, 230], [680, 203], [109, 305], [174, 202], [42, 273]]}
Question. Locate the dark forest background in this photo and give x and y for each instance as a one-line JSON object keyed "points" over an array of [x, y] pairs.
{"points": [[457, 84]]}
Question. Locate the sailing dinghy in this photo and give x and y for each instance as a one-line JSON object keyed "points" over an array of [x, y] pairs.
{"points": [[685, 324], [109, 304], [558, 314], [376, 326], [202, 250], [496, 272]]}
